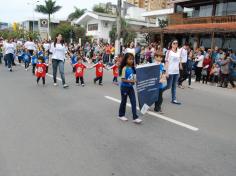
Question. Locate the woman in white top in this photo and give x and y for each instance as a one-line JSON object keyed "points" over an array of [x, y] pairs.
{"points": [[131, 49], [58, 50], [199, 60], [30, 46], [10, 49], [172, 69], [46, 46]]}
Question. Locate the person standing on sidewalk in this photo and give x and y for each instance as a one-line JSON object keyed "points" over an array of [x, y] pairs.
{"points": [[183, 69], [58, 50], [190, 64], [232, 66], [1, 54], [199, 65]]}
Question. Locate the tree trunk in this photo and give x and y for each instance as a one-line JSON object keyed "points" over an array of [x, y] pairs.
{"points": [[212, 40], [162, 39], [118, 27], [49, 26]]}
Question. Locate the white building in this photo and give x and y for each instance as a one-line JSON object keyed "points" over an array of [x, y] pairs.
{"points": [[3, 25], [40, 25], [160, 14], [135, 13], [99, 25]]}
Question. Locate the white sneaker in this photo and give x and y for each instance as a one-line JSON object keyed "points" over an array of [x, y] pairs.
{"points": [[138, 121], [65, 86], [123, 118], [83, 85], [55, 84]]}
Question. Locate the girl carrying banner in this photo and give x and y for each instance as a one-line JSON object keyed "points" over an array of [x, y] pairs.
{"points": [[127, 72]]}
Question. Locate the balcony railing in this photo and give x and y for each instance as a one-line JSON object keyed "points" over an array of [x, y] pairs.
{"points": [[181, 19]]}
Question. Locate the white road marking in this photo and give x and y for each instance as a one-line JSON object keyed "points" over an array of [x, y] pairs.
{"points": [[159, 116], [59, 79]]}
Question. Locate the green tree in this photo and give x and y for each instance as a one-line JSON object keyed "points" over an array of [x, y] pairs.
{"points": [[49, 8], [69, 31], [19, 34], [162, 23], [127, 35], [99, 9], [76, 14]]}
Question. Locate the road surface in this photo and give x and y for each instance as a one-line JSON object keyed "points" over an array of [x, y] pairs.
{"points": [[50, 131]]}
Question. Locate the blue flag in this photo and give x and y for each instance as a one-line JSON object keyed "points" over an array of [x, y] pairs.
{"points": [[148, 78]]}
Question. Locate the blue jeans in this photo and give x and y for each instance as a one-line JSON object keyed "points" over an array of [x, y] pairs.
{"points": [[125, 92], [1, 55], [172, 83], [10, 59], [58, 63]]}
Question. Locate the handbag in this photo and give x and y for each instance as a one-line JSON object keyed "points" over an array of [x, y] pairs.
{"points": [[204, 72]]}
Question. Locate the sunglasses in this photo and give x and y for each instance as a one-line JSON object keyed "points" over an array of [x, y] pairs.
{"points": [[175, 43]]}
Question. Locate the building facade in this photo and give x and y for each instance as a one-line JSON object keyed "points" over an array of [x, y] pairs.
{"points": [[41, 26], [3, 25], [170, 3], [99, 25], [149, 4], [207, 23]]}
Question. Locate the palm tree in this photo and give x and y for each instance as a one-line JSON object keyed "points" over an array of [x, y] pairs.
{"points": [[99, 9], [49, 8], [76, 14]]}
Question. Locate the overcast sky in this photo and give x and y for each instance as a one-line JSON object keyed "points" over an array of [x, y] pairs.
{"points": [[19, 10]]}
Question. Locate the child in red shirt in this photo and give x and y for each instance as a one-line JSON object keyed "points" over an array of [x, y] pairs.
{"points": [[79, 71], [99, 71], [115, 69], [41, 70]]}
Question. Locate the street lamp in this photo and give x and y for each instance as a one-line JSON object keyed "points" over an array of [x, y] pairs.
{"points": [[33, 5], [118, 24]]}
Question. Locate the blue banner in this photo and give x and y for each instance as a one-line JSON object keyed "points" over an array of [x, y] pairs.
{"points": [[148, 78]]}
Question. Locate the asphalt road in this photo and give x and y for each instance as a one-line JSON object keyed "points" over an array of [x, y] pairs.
{"points": [[50, 131]]}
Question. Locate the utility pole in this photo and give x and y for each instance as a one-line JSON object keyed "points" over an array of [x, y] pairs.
{"points": [[119, 3]]}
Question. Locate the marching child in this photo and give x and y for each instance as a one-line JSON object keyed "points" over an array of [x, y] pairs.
{"points": [[127, 72], [41, 70], [46, 60], [115, 69], [20, 53], [73, 60], [26, 57], [163, 81], [99, 71], [34, 61], [79, 68]]}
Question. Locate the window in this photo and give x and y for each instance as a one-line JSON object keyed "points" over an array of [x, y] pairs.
{"points": [[92, 27], [105, 24], [231, 8], [205, 11], [221, 9]]}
